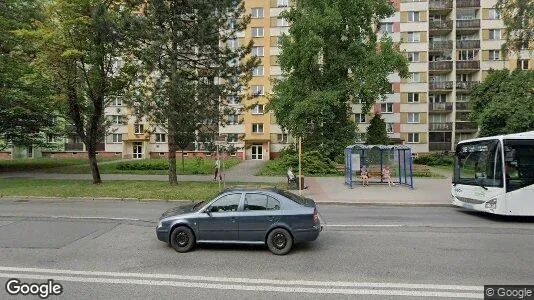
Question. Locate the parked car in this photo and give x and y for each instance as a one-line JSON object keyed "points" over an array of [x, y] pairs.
{"points": [[272, 217]]}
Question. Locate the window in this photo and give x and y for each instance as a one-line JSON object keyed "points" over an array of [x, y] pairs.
{"points": [[386, 27], [462, 98], [232, 44], [260, 202], [117, 101], [413, 118], [227, 203], [232, 138], [257, 71], [282, 138], [415, 77], [257, 90], [257, 128], [494, 54], [360, 118], [522, 64], [438, 98], [117, 119], [466, 14], [282, 3], [519, 162], [257, 109], [282, 22], [479, 163], [257, 31], [257, 12], [233, 99], [116, 137], [463, 77], [494, 34], [413, 97], [389, 128], [386, 108], [257, 51], [139, 128], [467, 54], [232, 119], [413, 137], [50, 138], [413, 56], [414, 37], [413, 16], [494, 14], [160, 138]]}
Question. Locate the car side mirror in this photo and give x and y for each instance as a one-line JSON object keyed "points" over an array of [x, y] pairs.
{"points": [[207, 211]]}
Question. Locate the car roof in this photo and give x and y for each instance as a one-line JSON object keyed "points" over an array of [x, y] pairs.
{"points": [[250, 189]]}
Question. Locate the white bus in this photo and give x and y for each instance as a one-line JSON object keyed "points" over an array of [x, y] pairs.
{"points": [[495, 174]]}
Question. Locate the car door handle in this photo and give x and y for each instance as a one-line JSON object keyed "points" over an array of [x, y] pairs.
{"points": [[233, 219]]}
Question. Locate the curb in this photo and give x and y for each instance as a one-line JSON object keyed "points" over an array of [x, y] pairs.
{"points": [[384, 204]]}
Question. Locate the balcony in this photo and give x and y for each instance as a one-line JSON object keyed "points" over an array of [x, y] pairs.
{"points": [[440, 107], [466, 126], [468, 24], [440, 86], [468, 44], [468, 65], [440, 5], [73, 146], [465, 85], [462, 106], [440, 126], [443, 65], [440, 25], [439, 146], [440, 45], [467, 3]]}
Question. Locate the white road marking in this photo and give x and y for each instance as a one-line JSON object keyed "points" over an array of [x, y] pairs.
{"points": [[364, 225], [255, 288]]}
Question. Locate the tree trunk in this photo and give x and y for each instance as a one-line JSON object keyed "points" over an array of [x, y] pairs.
{"points": [[91, 153], [173, 179]]}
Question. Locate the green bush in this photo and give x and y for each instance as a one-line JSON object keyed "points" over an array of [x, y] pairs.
{"points": [[435, 159], [313, 164]]}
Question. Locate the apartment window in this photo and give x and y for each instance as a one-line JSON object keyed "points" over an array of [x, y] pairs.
{"points": [[466, 14], [257, 109], [282, 3], [386, 27], [257, 71], [413, 16], [414, 37], [257, 12], [50, 138], [232, 119], [467, 54], [413, 118], [494, 14], [386, 108], [160, 138], [233, 99], [413, 137], [257, 90], [437, 98], [232, 138], [232, 43], [117, 101], [438, 118], [282, 138], [282, 22], [116, 137], [413, 97], [413, 56], [494, 34], [389, 128], [415, 77], [257, 31], [117, 119], [494, 54], [257, 51], [257, 128], [360, 118], [462, 98], [139, 128], [463, 77], [522, 64]]}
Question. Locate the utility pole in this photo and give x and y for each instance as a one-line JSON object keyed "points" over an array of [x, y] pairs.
{"points": [[300, 167]]}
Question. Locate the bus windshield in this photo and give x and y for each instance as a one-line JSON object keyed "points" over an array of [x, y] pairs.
{"points": [[479, 163], [519, 163]]}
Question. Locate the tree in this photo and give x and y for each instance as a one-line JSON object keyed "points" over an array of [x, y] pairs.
{"points": [[376, 132], [330, 59], [189, 68], [81, 43], [27, 108], [503, 103], [518, 16]]}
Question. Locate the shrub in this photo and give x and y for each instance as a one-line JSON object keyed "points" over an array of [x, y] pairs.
{"points": [[313, 163], [435, 159]]}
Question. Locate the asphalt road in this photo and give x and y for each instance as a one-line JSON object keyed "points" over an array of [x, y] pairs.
{"points": [[107, 249]]}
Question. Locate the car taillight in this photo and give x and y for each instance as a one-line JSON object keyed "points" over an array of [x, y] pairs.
{"points": [[316, 216]]}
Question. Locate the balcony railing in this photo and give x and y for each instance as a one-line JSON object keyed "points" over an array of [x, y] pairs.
{"points": [[439, 126], [465, 85], [466, 126], [440, 85], [468, 65], [439, 146], [440, 65], [439, 4], [444, 106], [467, 3], [73, 146], [440, 25], [468, 24], [468, 44], [462, 105], [440, 45]]}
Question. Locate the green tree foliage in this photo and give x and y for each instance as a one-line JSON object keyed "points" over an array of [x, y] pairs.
{"points": [[376, 132], [504, 102], [330, 59], [27, 112], [518, 16]]}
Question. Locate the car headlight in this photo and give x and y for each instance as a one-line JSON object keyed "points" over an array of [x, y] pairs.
{"points": [[160, 224]]}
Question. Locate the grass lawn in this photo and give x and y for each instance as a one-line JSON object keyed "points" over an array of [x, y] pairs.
{"points": [[117, 189], [17, 165]]}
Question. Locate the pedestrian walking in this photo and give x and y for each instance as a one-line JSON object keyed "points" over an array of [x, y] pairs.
{"points": [[217, 170]]}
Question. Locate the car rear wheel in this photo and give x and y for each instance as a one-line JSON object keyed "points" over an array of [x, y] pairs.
{"points": [[279, 241], [182, 239]]}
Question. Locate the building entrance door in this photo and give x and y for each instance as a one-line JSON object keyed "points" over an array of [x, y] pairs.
{"points": [[257, 152], [137, 150]]}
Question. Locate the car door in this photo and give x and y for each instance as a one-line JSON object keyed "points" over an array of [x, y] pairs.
{"points": [[260, 212], [219, 220]]}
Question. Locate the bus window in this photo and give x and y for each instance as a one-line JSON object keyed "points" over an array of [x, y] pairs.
{"points": [[519, 163], [479, 163]]}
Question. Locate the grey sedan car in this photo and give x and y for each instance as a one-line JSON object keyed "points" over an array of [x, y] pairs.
{"points": [[271, 217]]}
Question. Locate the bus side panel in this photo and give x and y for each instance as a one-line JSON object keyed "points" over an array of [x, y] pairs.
{"points": [[520, 202]]}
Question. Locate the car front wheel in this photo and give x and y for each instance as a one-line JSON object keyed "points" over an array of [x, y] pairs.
{"points": [[279, 241], [182, 239]]}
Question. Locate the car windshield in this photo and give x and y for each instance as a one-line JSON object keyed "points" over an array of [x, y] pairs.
{"points": [[479, 163], [197, 205]]}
